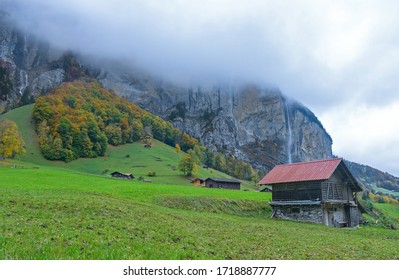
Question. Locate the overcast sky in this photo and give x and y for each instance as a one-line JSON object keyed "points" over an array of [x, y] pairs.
{"points": [[339, 58]]}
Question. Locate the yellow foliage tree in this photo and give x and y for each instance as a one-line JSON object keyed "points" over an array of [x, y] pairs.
{"points": [[187, 165], [178, 149], [11, 142]]}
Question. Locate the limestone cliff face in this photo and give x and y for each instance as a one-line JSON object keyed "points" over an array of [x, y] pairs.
{"points": [[258, 125], [28, 66]]}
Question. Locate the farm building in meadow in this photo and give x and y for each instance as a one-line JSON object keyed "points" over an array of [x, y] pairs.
{"points": [[221, 183], [117, 174], [322, 191], [198, 182]]}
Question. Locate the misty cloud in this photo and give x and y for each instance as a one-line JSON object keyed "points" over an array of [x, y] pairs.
{"points": [[340, 58]]}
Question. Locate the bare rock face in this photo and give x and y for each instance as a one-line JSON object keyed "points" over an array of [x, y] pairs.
{"points": [[258, 125], [28, 67]]}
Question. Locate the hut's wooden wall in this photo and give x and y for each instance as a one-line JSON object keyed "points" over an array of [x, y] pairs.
{"points": [[222, 185], [336, 190], [297, 191]]}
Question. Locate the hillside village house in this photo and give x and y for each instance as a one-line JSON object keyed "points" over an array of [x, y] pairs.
{"points": [[231, 184], [321, 191], [117, 174], [198, 182]]}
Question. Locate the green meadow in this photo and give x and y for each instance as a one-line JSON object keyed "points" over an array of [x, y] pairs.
{"points": [[54, 210], [49, 213]]}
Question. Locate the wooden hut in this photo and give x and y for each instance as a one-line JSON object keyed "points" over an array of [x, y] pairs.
{"points": [[221, 183], [117, 174], [198, 182], [321, 191]]}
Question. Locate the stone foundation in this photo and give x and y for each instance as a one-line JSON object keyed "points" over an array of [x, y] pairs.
{"points": [[312, 214]]}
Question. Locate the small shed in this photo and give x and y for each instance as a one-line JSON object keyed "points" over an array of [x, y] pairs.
{"points": [[117, 174], [221, 183], [198, 182], [322, 191]]}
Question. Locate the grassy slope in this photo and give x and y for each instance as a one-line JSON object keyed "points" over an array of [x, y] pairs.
{"points": [[71, 214], [130, 158], [50, 213], [392, 210], [23, 117]]}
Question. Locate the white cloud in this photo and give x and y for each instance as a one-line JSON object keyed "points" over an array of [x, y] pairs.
{"points": [[366, 133]]}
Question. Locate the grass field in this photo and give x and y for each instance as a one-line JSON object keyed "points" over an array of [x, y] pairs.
{"points": [[48, 213], [54, 210]]}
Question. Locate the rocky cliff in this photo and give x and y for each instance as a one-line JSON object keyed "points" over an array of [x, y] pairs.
{"points": [[28, 66], [255, 124]]}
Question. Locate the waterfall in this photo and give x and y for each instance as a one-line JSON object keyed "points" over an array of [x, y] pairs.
{"points": [[289, 140]]}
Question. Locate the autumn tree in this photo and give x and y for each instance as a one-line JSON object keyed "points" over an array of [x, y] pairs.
{"points": [[187, 142], [187, 165], [11, 142], [147, 137]]}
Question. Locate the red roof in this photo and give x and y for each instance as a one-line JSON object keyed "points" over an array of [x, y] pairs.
{"points": [[301, 171]]}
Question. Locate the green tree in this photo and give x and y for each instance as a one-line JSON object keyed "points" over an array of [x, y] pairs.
{"points": [[137, 130], [192, 153], [247, 171], [187, 165], [65, 130], [200, 152], [11, 142], [147, 135], [114, 134], [220, 162], [56, 148]]}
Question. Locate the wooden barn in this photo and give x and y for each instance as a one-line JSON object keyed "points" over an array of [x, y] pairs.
{"points": [[198, 182], [117, 174], [221, 183], [321, 191]]}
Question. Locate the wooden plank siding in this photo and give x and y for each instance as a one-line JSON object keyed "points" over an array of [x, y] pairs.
{"points": [[297, 191], [336, 191], [221, 183]]}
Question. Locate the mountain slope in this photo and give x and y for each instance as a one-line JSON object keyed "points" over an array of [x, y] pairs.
{"points": [[130, 158], [374, 179]]}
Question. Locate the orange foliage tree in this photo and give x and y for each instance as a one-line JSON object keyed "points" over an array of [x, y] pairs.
{"points": [[79, 119]]}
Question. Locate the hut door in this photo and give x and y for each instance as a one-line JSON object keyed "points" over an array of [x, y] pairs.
{"points": [[348, 215], [330, 218]]}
